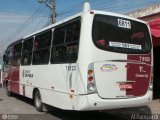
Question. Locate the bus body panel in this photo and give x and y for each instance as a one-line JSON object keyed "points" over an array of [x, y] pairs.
{"points": [[52, 86], [58, 99], [111, 75], [94, 102], [86, 53], [108, 76], [124, 79], [14, 79], [11, 76]]}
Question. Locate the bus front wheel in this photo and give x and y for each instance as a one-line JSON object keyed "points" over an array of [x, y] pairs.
{"points": [[38, 101]]}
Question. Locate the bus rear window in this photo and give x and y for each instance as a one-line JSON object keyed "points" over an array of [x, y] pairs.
{"points": [[121, 35]]}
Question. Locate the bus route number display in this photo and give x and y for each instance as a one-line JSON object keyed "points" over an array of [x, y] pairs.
{"points": [[124, 23], [70, 68]]}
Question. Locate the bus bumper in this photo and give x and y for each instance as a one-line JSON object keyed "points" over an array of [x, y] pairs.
{"points": [[94, 102]]}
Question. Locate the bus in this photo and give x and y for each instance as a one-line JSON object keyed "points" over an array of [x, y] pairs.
{"points": [[94, 60]]}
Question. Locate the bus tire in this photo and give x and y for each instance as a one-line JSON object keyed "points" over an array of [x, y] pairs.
{"points": [[8, 91], [38, 101]]}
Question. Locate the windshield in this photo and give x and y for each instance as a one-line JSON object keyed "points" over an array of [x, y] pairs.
{"points": [[121, 35]]}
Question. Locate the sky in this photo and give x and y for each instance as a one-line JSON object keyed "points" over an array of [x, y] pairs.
{"points": [[21, 17]]}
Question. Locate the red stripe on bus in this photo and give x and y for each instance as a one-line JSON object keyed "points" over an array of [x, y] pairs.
{"points": [[14, 79], [139, 73]]}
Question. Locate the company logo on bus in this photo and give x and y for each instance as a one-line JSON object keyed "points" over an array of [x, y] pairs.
{"points": [[108, 67], [27, 73]]}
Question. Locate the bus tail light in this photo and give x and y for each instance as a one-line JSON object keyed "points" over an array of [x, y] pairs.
{"points": [[90, 72], [91, 86], [90, 78]]}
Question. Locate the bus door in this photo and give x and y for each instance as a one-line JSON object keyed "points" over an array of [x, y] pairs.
{"points": [[15, 68]]}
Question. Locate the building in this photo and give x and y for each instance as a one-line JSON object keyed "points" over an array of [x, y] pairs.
{"points": [[151, 14]]}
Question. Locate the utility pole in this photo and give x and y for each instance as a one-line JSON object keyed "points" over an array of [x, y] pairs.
{"points": [[52, 7], [54, 11]]}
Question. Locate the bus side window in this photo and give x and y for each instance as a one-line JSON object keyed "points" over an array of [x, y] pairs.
{"points": [[72, 32], [16, 54], [27, 52], [66, 51], [9, 55], [41, 50]]}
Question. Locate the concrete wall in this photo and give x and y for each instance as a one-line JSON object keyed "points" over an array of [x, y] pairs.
{"points": [[147, 13]]}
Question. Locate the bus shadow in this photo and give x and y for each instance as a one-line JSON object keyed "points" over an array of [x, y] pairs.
{"points": [[88, 115], [117, 114], [23, 99]]}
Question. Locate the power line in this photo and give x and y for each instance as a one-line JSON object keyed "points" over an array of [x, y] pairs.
{"points": [[25, 24], [11, 12], [39, 24], [113, 6], [52, 7], [21, 17], [29, 4]]}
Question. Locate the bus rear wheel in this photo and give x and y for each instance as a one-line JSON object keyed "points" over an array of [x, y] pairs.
{"points": [[8, 90], [38, 101]]}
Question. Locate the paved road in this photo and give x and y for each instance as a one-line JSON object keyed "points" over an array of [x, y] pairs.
{"points": [[18, 107]]}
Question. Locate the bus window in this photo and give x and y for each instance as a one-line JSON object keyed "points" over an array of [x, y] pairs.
{"points": [[66, 50], [16, 54], [41, 50], [27, 52], [59, 35], [9, 55], [121, 35], [72, 32]]}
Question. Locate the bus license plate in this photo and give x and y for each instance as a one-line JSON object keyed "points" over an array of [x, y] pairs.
{"points": [[125, 86]]}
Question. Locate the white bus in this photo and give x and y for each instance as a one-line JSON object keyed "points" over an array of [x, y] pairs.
{"points": [[93, 60]]}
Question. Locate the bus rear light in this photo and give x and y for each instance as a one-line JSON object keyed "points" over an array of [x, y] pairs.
{"points": [[91, 83], [101, 42], [91, 87], [90, 79], [72, 91], [90, 72]]}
